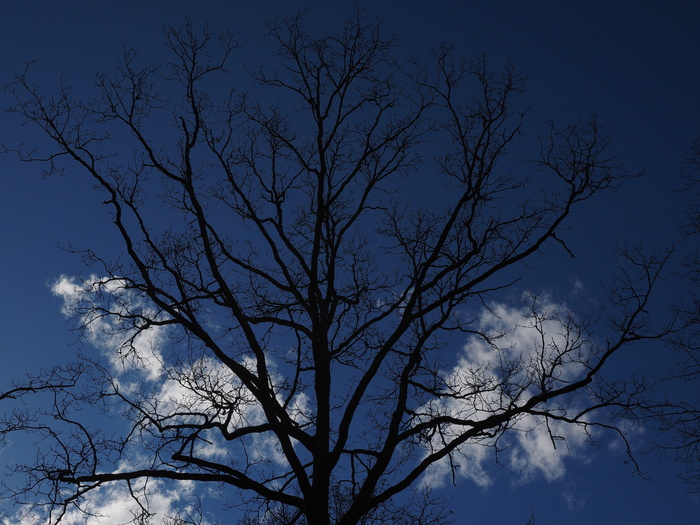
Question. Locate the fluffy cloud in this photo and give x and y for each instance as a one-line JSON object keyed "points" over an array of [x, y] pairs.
{"points": [[176, 390], [115, 504], [524, 344], [100, 306]]}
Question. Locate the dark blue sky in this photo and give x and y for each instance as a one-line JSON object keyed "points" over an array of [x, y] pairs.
{"points": [[634, 63]]}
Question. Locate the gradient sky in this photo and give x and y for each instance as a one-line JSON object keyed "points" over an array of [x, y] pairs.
{"points": [[634, 63]]}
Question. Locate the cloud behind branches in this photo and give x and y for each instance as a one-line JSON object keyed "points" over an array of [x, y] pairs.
{"points": [[528, 337]]}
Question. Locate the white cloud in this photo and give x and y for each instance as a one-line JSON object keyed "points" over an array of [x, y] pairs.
{"points": [[114, 504], [527, 344], [469, 462], [177, 392], [527, 338], [201, 386], [130, 347], [537, 453], [101, 305]]}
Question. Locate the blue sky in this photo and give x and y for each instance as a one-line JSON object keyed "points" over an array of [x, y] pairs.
{"points": [[633, 63]]}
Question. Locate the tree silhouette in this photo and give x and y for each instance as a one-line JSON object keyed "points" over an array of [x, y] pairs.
{"points": [[283, 318], [680, 420]]}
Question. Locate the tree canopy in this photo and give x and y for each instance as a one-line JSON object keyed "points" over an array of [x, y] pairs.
{"points": [[287, 321]]}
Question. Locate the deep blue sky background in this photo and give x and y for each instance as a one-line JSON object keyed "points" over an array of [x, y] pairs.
{"points": [[634, 63]]}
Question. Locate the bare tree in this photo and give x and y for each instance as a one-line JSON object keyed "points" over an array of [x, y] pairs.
{"points": [[680, 418], [294, 311]]}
